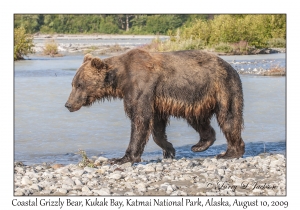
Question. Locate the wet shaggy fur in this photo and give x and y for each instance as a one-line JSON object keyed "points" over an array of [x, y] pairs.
{"points": [[193, 85]]}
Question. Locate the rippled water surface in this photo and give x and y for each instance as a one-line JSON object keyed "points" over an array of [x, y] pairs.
{"points": [[45, 131]]}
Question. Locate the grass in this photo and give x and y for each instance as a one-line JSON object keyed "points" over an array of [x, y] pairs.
{"points": [[90, 49], [112, 49], [173, 44], [85, 162]]}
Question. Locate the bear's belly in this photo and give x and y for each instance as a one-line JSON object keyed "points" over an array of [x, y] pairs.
{"points": [[178, 108]]}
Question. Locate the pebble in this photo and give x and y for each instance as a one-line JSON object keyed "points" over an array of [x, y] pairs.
{"points": [[26, 181], [63, 191], [101, 160], [149, 169], [55, 166], [103, 191], [85, 189], [167, 177], [115, 176], [68, 181], [78, 172], [62, 170]]}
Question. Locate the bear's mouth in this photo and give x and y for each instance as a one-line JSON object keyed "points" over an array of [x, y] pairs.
{"points": [[89, 101]]}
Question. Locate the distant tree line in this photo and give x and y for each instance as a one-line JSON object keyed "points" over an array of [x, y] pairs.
{"points": [[101, 23], [225, 33]]}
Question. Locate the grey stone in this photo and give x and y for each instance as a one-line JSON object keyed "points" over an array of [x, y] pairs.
{"points": [[170, 189], [18, 193], [182, 193], [211, 167], [149, 169], [129, 193], [78, 182], [36, 187], [46, 192], [26, 181], [62, 170], [77, 187], [47, 175], [90, 170], [103, 191], [126, 165], [38, 168], [101, 160], [62, 191], [19, 169], [78, 172], [159, 168], [164, 186], [67, 187], [166, 178], [68, 181], [85, 189], [141, 187], [191, 165], [115, 176]]}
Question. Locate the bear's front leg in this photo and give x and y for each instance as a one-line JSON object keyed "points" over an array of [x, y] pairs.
{"points": [[140, 130]]}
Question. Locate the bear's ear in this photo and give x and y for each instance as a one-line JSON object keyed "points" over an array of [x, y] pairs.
{"points": [[97, 63], [87, 57]]}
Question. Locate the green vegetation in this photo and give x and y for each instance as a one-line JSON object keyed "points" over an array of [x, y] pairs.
{"points": [[107, 24], [174, 44], [223, 47], [255, 30], [277, 42], [51, 48], [224, 33], [229, 33], [90, 49], [23, 44], [85, 162]]}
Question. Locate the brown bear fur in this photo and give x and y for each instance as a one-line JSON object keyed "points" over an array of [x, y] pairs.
{"points": [[193, 85]]}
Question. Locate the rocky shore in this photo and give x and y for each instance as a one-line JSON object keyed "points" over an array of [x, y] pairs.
{"points": [[86, 43], [70, 44], [260, 175], [261, 67]]}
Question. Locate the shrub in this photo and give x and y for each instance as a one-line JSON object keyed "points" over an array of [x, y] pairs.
{"points": [[223, 47], [254, 29], [85, 162], [175, 43], [23, 44], [90, 49], [277, 42], [51, 48], [241, 46]]}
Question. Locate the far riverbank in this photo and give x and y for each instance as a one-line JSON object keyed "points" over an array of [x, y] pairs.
{"points": [[112, 44]]}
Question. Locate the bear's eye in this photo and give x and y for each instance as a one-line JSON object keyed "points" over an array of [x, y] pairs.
{"points": [[78, 85]]}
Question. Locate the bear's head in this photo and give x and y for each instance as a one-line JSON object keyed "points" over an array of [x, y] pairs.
{"points": [[89, 84]]}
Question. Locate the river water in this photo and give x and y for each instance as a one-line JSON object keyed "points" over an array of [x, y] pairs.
{"points": [[45, 131]]}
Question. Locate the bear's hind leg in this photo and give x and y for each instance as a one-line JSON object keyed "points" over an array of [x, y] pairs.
{"points": [[232, 127], [160, 137], [235, 147], [206, 132]]}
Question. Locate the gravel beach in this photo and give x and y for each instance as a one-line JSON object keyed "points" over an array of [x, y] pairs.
{"points": [[260, 175], [70, 44]]}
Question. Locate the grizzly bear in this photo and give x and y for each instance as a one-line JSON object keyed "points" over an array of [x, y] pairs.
{"points": [[193, 85]]}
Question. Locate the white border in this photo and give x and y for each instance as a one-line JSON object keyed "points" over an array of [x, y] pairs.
{"points": [[154, 6]]}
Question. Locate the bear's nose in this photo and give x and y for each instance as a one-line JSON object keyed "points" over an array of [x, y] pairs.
{"points": [[67, 105]]}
